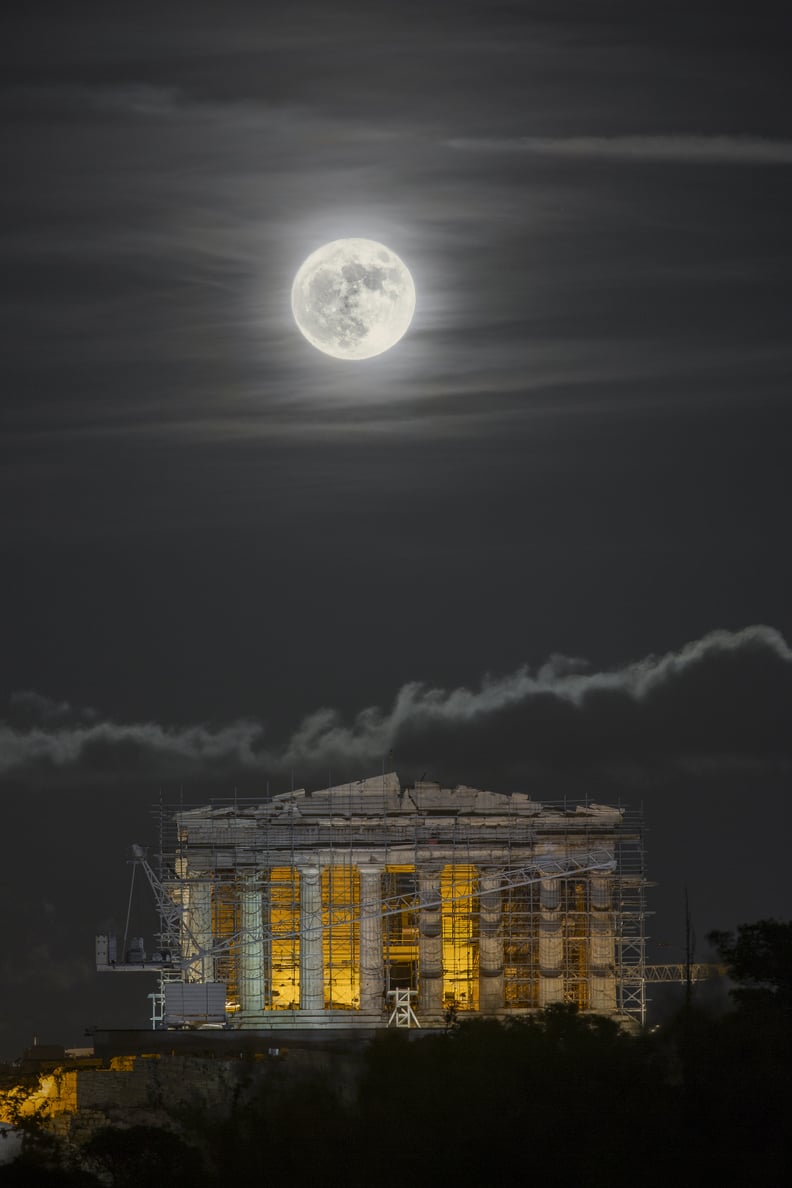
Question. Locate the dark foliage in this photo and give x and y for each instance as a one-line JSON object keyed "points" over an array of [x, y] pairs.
{"points": [[556, 1099], [759, 958], [142, 1155], [31, 1173]]}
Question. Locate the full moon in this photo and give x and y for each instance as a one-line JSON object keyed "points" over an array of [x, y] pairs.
{"points": [[353, 298]]}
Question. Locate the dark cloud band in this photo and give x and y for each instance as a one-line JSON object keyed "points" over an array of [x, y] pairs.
{"points": [[726, 694]]}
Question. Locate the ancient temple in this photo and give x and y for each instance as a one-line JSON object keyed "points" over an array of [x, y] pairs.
{"points": [[336, 907]]}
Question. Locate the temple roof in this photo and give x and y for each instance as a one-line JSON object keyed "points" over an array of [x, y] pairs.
{"points": [[384, 796]]}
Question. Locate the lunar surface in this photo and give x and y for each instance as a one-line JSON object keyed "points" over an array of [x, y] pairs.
{"points": [[353, 298]]}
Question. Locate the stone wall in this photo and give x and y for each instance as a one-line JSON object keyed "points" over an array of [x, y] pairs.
{"points": [[73, 1103]]}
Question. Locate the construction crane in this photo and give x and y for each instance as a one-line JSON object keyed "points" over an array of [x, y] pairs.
{"points": [[173, 928], [699, 972], [171, 959]]}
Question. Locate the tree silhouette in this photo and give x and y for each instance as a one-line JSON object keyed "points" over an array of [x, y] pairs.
{"points": [[139, 1155], [759, 958]]}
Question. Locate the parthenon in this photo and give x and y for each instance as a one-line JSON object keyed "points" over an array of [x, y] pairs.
{"points": [[315, 909]]}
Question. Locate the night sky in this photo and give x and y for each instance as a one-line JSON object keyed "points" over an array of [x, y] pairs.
{"points": [[542, 544]]}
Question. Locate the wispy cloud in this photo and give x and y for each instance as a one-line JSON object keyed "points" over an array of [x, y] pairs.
{"points": [[33, 707], [672, 147], [725, 694]]}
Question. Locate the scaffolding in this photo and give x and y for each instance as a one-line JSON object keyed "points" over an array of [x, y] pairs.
{"points": [[318, 909]]}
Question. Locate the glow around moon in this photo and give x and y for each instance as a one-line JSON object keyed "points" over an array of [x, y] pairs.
{"points": [[353, 298]]}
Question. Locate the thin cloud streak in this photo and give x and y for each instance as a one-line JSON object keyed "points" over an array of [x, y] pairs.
{"points": [[722, 694], [677, 148]]}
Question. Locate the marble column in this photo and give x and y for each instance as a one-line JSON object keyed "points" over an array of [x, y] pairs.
{"points": [[551, 943], [490, 942], [602, 949], [372, 973], [198, 919], [251, 959], [311, 954], [430, 941]]}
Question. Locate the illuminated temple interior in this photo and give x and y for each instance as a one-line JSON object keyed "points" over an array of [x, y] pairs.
{"points": [[369, 902], [316, 908]]}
